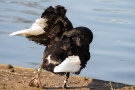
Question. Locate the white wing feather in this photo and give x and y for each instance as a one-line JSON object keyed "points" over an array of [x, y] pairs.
{"points": [[36, 29]]}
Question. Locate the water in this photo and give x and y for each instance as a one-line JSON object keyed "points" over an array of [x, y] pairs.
{"points": [[112, 22]]}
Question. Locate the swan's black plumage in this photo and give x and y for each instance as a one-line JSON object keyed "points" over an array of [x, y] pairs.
{"points": [[78, 40], [57, 24], [58, 55], [73, 42], [61, 40]]}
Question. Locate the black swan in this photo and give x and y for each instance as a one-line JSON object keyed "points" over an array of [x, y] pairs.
{"points": [[67, 48]]}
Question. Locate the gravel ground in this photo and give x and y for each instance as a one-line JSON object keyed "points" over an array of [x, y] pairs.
{"points": [[18, 78]]}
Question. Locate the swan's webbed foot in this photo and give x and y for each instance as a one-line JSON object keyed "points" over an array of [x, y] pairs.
{"points": [[35, 82]]}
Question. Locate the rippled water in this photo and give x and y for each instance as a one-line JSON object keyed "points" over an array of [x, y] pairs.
{"points": [[112, 22]]}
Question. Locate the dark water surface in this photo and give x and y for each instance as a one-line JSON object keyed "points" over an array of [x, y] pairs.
{"points": [[112, 22]]}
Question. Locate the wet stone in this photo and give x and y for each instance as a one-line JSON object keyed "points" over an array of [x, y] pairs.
{"points": [[11, 70], [8, 66], [19, 81], [4, 87], [4, 84], [85, 78]]}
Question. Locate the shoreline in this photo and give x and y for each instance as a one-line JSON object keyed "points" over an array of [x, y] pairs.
{"points": [[18, 78]]}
